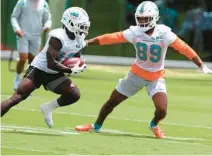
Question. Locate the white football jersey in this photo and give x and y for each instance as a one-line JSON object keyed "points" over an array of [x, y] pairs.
{"points": [[68, 50], [150, 50]]}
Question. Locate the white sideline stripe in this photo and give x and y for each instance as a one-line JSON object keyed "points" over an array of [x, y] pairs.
{"points": [[142, 135], [37, 130], [30, 149], [177, 142], [116, 118], [47, 131]]}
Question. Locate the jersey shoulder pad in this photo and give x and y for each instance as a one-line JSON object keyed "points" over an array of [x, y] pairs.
{"points": [[135, 30], [167, 34], [129, 34], [57, 33], [163, 28]]}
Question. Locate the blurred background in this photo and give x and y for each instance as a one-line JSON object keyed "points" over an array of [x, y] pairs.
{"points": [[190, 19]]}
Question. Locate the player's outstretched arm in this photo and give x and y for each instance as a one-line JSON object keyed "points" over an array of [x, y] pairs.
{"points": [[52, 53], [184, 49], [107, 39]]}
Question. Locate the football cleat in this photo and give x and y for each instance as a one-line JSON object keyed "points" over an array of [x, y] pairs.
{"points": [[47, 115], [158, 132], [87, 128]]}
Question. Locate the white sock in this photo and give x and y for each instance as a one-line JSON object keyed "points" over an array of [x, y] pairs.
{"points": [[18, 76], [27, 66], [52, 105]]}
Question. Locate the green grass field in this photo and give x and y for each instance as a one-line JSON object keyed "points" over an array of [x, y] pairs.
{"points": [[188, 124]]}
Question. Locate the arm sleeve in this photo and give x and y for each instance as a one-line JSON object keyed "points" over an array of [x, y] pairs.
{"points": [[113, 38], [47, 22], [15, 16], [184, 49]]}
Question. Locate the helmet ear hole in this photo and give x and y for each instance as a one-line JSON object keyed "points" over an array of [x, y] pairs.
{"points": [[71, 23]]}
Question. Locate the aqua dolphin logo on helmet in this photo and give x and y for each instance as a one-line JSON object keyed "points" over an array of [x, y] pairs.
{"points": [[75, 14], [148, 10], [76, 20]]}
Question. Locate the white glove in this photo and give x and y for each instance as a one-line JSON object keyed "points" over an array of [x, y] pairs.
{"points": [[84, 43], [206, 70], [83, 67], [77, 69]]}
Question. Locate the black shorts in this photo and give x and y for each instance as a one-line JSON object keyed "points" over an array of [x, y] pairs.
{"points": [[39, 77]]}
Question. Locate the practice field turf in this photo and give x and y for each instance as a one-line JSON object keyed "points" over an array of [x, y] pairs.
{"points": [[188, 124]]}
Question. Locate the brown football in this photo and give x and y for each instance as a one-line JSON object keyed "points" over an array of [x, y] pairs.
{"points": [[73, 61]]}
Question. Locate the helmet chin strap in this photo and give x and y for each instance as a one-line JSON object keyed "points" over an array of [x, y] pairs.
{"points": [[83, 36], [144, 29], [145, 26], [150, 31]]}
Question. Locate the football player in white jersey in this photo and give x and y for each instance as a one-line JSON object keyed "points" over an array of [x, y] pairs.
{"points": [[47, 69], [151, 41]]}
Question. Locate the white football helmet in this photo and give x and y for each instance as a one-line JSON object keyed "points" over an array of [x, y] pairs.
{"points": [[149, 10], [76, 20]]}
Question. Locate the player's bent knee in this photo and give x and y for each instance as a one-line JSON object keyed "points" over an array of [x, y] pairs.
{"points": [[21, 94], [23, 97], [68, 98], [73, 98]]}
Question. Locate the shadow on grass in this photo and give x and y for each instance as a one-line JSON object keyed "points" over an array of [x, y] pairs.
{"points": [[127, 135], [143, 136]]}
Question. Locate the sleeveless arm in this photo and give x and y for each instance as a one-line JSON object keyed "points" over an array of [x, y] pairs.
{"points": [[52, 53]]}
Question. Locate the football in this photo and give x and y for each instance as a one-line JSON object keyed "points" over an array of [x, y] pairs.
{"points": [[72, 61]]}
